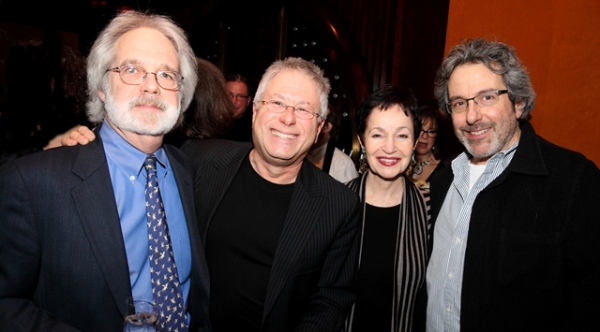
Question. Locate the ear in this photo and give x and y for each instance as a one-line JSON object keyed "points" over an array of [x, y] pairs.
{"points": [[327, 127], [519, 109], [101, 95], [253, 113], [248, 101], [321, 124], [360, 142]]}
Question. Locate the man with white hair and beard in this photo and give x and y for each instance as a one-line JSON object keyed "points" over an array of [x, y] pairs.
{"points": [[87, 227]]}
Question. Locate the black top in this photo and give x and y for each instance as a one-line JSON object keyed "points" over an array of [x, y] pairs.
{"points": [[248, 224], [376, 272]]}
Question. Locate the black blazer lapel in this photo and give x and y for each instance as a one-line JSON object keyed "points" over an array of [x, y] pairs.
{"points": [[221, 172], [95, 203], [303, 214]]}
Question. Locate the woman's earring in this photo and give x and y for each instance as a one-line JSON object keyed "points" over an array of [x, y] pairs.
{"points": [[363, 165], [409, 168]]}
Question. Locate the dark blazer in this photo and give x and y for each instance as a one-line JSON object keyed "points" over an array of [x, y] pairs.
{"points": [[63, 265], [532, 261], [311, 286]]}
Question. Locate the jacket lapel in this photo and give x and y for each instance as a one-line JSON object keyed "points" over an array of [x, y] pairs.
{"points": [[95, 203], [303, 214], [225, 169]]}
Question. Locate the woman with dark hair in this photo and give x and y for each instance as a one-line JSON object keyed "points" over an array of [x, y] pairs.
{"points": [[395, 224], [210, 114], [427, 157]]}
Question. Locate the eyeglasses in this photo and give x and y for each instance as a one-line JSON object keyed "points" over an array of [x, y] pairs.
{"points": [[279, 107], [135, 75], [429, 133], [483, 99], [238, 96]]}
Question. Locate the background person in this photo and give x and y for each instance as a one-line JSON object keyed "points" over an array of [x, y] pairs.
{"points": [[395, 224], [210, 114], [326, 156], [80, 236], [427, 156], [240, 93], [516, 226]]}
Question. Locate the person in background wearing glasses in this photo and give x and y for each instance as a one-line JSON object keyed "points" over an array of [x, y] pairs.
{"points": [[515, 245], [240, 95], [280, 233], [77, 234], [427, 156]]}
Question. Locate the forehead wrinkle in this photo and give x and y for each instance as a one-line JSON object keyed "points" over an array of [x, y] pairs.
{"points": [[136, 62], [394, 129], [280, 96]]}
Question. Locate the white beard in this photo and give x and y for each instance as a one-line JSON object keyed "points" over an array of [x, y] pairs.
{"points": [[142, 123]]}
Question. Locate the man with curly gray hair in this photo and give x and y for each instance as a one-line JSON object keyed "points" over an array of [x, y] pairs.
{"points": [[515, 245], [87, 228]]}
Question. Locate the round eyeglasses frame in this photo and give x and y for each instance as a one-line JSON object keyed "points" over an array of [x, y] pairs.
{"points": [[136, 75]]}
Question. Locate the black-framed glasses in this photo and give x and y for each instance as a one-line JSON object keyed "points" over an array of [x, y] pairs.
{"points": [[429, 133], [279, 107], [483, 99], [135, 75]]}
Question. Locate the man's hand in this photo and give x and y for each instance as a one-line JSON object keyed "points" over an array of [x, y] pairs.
{"points": [[79, 135]]}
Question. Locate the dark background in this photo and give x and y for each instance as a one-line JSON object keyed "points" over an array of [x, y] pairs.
{"points": [[361, 44]]}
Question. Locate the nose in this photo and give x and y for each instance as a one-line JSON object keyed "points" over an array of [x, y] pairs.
{"points": [[388, 145], [288, 117], [473, 113], [150, 84]]}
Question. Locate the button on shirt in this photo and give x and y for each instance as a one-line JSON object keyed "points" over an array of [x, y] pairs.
{"points": [[128, 180], [445, 269]]}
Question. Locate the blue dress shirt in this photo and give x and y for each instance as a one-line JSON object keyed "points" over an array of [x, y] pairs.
{"points": [[128, 180]]}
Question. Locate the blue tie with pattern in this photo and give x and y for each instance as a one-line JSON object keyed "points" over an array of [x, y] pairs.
{"points": [[165, 281]]}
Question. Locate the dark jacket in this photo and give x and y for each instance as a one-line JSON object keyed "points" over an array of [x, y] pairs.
{"points": [[63, 265], [532, 260], [311, 286]]}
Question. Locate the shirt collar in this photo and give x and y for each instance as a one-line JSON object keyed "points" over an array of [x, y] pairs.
{"points": [[124, 155]]}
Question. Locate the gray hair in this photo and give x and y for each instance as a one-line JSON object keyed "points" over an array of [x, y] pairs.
{"points": [[102, 54], [498, 57], [305, 67]]}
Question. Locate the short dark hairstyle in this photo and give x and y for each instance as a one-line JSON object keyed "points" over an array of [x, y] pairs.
{"points": [[386, 97], [235, 77]]}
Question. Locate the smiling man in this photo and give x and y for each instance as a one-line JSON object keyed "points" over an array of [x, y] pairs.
{"points": [[515, 245], [280, 233], [84, 228]]}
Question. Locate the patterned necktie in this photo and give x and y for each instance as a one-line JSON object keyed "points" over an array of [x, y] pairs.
{"points": [[165, 281]]}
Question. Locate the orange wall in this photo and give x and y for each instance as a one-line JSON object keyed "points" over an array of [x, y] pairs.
{"points": [[559, 43]]}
